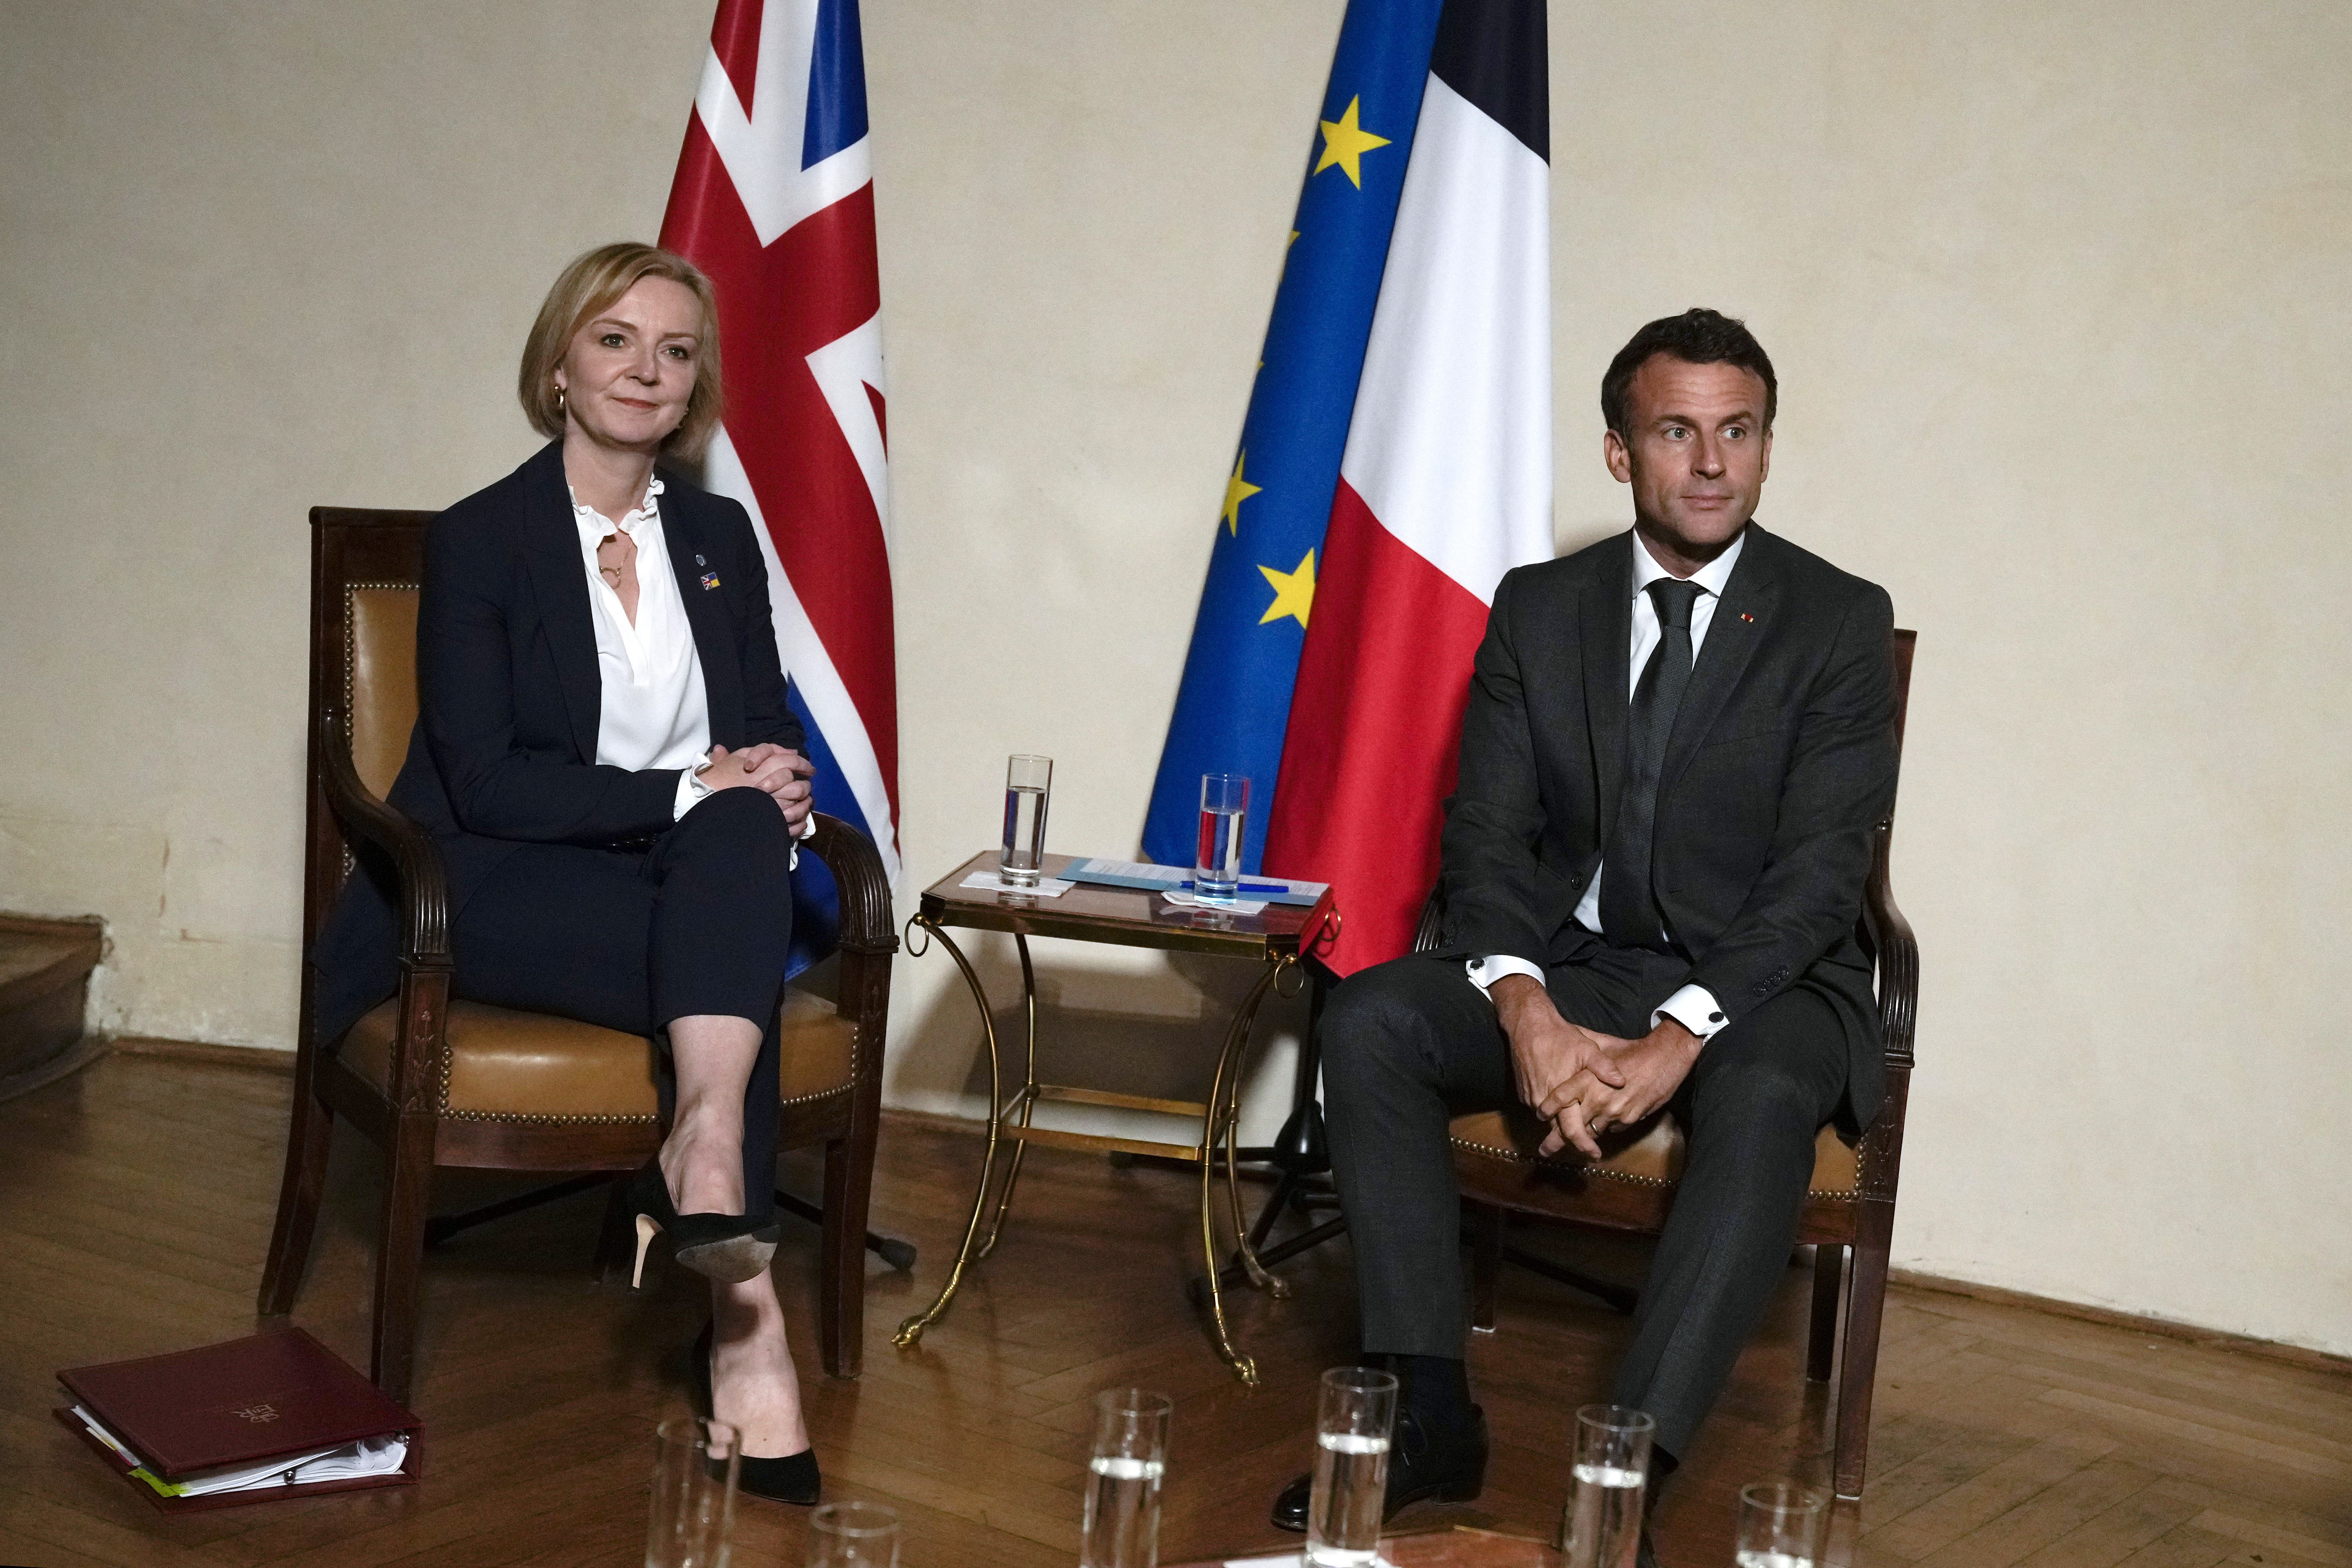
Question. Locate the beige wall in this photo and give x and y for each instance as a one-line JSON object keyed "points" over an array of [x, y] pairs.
{"points": [[2059, 298]]}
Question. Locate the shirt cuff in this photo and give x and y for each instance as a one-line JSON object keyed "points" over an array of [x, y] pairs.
{"points": [[1484, 972], [691, 790], [1693, 1007]]}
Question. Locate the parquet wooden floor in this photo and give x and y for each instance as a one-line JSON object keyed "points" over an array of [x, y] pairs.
{"points": [[135, 1206]]}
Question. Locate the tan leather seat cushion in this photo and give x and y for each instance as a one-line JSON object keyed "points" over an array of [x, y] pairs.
{"points": [[507, 1063], [1649, 1153]]}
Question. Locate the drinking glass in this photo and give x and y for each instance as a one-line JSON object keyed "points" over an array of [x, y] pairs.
{"points": [[1028, 787], [693, 1510], [1352, 1422], [1603, 1524], [1225, 808], [1781, 1526], [852, 1535], [1122, 1520]]}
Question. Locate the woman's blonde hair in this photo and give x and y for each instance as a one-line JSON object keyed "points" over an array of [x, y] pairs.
{"points": [[591, 283]]}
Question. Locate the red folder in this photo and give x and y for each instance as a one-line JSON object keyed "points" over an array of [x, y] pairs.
{"points": [[241, 1402]]}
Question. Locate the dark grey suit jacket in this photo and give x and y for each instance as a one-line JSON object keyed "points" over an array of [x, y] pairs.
{"points": [[1781, 760], [511, 698]]}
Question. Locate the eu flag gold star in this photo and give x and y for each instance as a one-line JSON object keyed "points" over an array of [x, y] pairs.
{"points": [[1237, 491], [1294, 592], [1345, 142]]}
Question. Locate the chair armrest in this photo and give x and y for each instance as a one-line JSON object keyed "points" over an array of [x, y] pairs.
{"points": [[1897, 952], [868, 923], [423, 881]]}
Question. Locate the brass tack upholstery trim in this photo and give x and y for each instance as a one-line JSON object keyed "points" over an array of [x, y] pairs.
{"points": [[1513, 1157]]}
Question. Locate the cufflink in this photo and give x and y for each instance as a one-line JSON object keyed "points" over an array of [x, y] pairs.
{"points": [[1715, 1018]]}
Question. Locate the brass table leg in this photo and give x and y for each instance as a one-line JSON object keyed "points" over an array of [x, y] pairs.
{"points": [[911, 1331], [1217, 1120], [1028, 1094]]}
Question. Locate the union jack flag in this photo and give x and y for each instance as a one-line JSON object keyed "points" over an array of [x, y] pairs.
{"points": [[775, 199]]}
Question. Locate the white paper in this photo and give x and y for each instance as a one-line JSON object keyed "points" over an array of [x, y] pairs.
{"points": [[368, 1457], [1143, 871], [1235, 907], [989, 881]]}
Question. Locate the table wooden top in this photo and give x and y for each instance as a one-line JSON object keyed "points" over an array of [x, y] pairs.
{"points": [[1126, 917]]}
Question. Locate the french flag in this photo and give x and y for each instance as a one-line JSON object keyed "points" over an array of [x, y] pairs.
{"points": [[775, 199], [1442, 482]]}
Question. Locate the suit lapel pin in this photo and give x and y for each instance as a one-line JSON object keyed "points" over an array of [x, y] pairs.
{"points": [[698, 561], [709, 579], [1743, 614]]}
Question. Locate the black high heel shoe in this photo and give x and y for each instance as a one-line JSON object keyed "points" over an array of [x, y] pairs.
{"points": [[727, 1248], [792, 1478]]}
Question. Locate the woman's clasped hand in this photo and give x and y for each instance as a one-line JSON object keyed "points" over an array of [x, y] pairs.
{"points": [[783, 773]]}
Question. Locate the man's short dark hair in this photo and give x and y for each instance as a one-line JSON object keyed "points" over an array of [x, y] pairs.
{"points": [[1698, 336]]}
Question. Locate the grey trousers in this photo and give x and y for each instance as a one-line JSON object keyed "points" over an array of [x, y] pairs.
{"points": [[1410, 1043]]}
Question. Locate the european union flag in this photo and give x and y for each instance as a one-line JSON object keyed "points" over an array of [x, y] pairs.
{"points": [[1234, 701]]}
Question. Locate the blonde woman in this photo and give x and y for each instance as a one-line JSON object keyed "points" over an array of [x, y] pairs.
{"points": [[605, 755]]}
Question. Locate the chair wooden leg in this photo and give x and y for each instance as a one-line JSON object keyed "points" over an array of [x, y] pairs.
{"points": [[1485, 1222], [308, 1139], [1858, 1368], [841, 1301], [1829, 1277], [400, 1252]]}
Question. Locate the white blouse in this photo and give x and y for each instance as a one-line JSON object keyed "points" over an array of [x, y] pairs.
{"points": [[655, 714], [655, 711]]}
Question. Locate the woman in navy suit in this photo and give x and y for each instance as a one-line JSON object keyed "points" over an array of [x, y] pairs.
{"points": [[605, 755]]}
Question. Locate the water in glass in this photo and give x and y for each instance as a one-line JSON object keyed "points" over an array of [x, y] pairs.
{"points": [[1122, 1520], [1780, 1525], [852, 1535], [1352, 1482], [1604, 1522], [1225, 814], [1028, 785], [1130, 1453]]}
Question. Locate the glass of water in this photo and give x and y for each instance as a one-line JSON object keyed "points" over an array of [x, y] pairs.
{"points": [[1781, 1526], [1352, 1423], [1224, 810], [1122, 1520], [693, 1513], [1603, 1527], [852, 1535], [1028, 786]]}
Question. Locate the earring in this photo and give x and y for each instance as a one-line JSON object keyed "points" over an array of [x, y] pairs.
{"points": [[559, 396]]}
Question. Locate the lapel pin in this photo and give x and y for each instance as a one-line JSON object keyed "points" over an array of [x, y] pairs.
{"points": [[1743, 614], [698, 561], [709, 579]]}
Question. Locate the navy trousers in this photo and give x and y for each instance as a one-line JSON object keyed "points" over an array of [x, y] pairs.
{"points": [[697, 923], [1411, 1043]]}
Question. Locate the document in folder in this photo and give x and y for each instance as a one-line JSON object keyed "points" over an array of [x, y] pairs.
{"points": [[275, 1415]]}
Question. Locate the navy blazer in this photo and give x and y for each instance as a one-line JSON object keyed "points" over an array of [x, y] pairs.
{"points": [[510, 698], [1780, 763]]}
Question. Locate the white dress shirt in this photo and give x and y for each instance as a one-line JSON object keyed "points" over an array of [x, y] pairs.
{"points": [[654, 712], [1692, 1006]]}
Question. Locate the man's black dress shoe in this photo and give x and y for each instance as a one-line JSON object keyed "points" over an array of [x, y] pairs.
{"points": [[1421, 1465]]}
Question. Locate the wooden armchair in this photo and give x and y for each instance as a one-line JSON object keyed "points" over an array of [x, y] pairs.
{"points": [[1850, 1211], [435, 1081]]}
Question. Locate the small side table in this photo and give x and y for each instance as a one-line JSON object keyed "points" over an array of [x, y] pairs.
{"points": [[1277, 938]]}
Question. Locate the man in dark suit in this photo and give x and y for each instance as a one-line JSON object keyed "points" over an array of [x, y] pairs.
{"points": [[1676, 744]]}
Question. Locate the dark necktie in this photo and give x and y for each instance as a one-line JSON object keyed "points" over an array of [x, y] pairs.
{"points": [[1629, 906]]}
